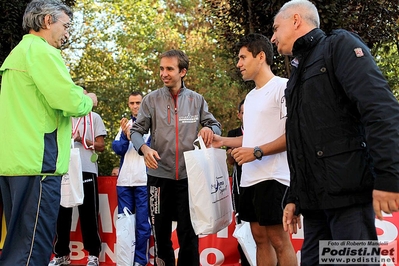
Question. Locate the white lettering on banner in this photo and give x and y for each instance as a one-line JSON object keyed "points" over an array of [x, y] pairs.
{"points": [[390, 231], [78, 253], [205, 255], [75, 216], [105, 250], [105, 214], [107, 221]]}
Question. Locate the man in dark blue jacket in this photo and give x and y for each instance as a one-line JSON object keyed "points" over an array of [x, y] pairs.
{"points": [[342, 132], [132, 180]]}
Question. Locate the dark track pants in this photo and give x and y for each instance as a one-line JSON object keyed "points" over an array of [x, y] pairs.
{"points": [[88, 215], [168, 200], [31, 207]]}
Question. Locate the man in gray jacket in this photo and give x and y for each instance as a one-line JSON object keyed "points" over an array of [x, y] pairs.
{"points": [[174, 114]]}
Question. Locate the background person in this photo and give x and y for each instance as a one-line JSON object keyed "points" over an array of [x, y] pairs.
{"points": [[115, 171], [342, 132], [175, 115], [37, 99], [90, 140], [132, 181]]}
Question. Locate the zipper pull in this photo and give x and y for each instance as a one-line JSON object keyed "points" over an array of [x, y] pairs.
{"points": [[169, 114]]}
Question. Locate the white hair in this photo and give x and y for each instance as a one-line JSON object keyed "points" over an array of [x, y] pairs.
{"points": [[305, 8]]}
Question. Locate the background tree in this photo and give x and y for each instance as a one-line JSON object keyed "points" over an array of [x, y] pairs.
{"points": [[11, 24], [375, 21], [116, 46]]}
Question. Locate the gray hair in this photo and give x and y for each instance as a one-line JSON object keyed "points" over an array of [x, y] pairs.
{"points": [[305, 8], [38, 9]]}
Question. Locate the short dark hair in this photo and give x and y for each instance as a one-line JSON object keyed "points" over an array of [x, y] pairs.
{"points": [[182, 58], [135, 93], [255, 44]]}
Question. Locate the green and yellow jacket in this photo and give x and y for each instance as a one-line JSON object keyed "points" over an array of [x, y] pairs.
{"points": [[37, 100]]}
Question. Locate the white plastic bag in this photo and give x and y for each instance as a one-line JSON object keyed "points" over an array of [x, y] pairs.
{"points": [[209, 189], [133, 172], [244, 237], [72, 182], [125, 238]]}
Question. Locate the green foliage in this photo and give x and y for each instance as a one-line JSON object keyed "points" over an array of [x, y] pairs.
{"points": [[375, 21], [11, 24], [116, 46], [387, 60]]}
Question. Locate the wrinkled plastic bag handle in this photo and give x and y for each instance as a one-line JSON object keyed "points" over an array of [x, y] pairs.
{"points": [[199, 143], [127, 212]]}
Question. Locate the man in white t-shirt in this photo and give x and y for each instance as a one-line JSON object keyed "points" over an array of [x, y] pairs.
{"points": [[262, 153]]}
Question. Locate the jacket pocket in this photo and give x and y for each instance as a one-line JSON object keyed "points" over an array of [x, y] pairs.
{"points": [[345, 166]]}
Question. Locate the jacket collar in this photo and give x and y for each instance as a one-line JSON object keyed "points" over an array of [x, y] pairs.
{"points": [[183, 88], [307, 42]]}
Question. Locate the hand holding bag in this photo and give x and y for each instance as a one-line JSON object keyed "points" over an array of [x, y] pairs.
{"points": [[72, 182], [125, 238], [209, 189]]}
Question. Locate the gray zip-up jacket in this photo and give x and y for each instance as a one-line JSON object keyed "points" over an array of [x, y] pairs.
{"points": [[174, 123]]}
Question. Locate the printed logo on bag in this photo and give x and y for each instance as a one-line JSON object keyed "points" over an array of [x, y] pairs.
{"points": [[188, 119], [219, 185]]}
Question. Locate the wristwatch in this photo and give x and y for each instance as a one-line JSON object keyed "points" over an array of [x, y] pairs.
{"points": [[258, 153]]}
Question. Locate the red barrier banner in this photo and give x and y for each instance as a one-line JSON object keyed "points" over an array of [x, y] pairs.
{"points": [[216, 249]]}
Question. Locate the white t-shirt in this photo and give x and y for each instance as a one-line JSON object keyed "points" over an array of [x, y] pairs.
{"points": [[99, 130], [264, 121]]}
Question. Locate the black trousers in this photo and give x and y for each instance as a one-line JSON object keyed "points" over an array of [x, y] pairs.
{"points": [[168, 201], [356, 222], [88, 215]]}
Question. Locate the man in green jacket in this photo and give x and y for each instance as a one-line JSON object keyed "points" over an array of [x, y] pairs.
{"points": [[37, 100]]}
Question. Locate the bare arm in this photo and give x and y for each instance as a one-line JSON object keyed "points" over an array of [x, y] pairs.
{"points": [[246, 154], [219, 141]]}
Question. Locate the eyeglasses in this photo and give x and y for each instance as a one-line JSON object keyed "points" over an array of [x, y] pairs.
{"points": [[66, 25]]}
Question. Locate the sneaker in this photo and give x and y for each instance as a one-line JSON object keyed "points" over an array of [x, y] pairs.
{"points": [[64, 260], [92, 261]]}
